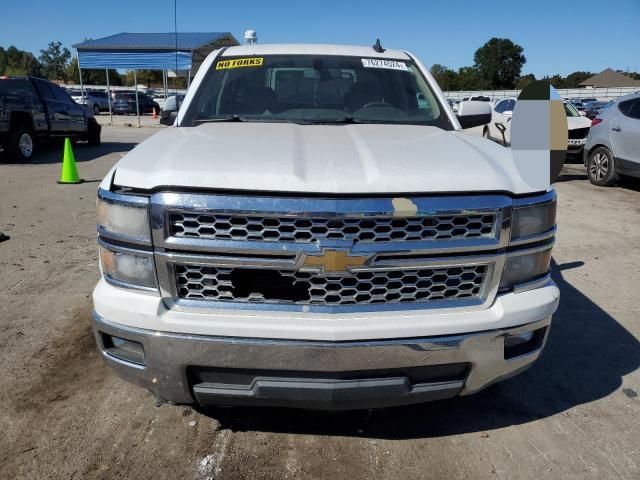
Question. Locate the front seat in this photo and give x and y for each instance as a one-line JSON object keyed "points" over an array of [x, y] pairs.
{"points": [[257, 100]]}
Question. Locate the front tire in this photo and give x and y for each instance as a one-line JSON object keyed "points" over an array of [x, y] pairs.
{"points": [[21, 144], [601, 168]]}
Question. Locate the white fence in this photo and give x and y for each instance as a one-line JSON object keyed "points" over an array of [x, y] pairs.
{"points": [[599, 93], [141, 88]]}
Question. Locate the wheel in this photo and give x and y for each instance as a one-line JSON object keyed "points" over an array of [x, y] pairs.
{"points": [[21, 143], [96, 109], [93, 133], [601, 168]]}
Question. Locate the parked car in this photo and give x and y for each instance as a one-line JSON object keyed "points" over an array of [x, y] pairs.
{"points": [[579, 106], [308, 235], [33, 110], [476, 98], [613, 145], [170, 109], [125, 103], [94, 100], [592, 109], [587, 100], [499, 129]]}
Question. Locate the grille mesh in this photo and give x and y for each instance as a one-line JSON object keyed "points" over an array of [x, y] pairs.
{"points": [[305, 288], [579, 133], [300, 229]]}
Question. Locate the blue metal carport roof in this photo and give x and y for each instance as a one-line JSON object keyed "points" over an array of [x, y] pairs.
{"points": [[147, 50]]}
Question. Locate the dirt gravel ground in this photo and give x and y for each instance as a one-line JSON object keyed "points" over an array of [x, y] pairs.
{"points": [[574, 415]]}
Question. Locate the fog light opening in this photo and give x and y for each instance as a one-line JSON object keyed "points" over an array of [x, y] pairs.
{"points": [[523, 343], [123, 349]]}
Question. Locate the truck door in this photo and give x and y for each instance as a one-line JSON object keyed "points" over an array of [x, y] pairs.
{"points": [[55, 109], [76, 114]]}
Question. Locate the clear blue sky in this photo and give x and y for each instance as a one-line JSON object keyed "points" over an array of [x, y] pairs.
{"points": [[558, 36]]}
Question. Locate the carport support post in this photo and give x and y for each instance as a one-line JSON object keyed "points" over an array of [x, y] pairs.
{"points": [[109, 96], [135, 80], [80, 72]]}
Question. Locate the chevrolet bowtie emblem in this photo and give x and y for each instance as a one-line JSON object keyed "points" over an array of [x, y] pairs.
{"points": [[335, 261]]}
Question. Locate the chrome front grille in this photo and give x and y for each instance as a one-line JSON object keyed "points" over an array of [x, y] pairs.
{"points": [[304, 229], [328, 255], [362, 287]]}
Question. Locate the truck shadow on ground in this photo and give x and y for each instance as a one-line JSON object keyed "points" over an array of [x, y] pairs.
{"points": [[587, 354], [52, 152], [578, 173]]}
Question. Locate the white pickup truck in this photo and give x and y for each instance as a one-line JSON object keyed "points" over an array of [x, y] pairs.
{"points": [[316, 230]]}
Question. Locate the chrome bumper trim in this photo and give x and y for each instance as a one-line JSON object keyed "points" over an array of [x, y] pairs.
{"points": [[168, 355]]}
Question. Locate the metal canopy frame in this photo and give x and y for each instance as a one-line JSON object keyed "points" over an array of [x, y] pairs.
{"points": [[148, 51]]}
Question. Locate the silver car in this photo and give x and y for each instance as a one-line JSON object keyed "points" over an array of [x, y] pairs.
{"points": [[613, 145], [96, 101]]}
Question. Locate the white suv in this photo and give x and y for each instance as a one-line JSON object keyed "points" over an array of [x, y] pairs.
{"points": [[316, 230], [499, 129]]}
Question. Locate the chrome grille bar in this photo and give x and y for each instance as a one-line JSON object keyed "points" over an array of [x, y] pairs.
{"points": [[443, 252]]}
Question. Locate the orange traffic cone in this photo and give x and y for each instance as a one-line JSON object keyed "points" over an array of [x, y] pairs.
{"points": [[154, 115]]}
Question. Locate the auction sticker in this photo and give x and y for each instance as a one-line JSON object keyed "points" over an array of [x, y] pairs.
{"points": [[378, 63], [240, 62]]}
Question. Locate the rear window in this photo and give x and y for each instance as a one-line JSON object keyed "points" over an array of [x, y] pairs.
{"points": [[16, 86]]}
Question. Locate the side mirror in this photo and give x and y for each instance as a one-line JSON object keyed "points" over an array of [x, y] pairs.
{"points": [[473, 114], [169, 111]]}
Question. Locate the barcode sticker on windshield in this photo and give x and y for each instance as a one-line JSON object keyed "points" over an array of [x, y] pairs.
{"points": [[240, 62], [377, 63]]}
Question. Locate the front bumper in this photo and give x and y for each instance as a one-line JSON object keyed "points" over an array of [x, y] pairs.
{"points": [[214, 370]]}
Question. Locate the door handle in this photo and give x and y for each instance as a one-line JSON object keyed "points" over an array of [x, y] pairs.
{"points": [[616, 129]]}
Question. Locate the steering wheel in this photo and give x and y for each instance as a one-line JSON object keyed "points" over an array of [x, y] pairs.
{"points": [[376, 104]]}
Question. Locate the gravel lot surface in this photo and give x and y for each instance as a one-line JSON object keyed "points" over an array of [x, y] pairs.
{"points": [[575, 414]]}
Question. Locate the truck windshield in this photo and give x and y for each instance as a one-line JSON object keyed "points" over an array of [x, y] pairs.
{"points": [[315, 89]]}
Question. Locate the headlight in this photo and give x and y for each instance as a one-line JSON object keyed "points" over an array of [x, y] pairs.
{"points": [[129, 219], [133, 269], [524, 267], [533, 220]]}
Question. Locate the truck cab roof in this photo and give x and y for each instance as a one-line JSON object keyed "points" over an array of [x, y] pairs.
{"points": [[313, 49]]}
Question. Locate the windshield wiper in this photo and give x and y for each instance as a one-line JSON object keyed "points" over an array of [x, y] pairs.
{"points": [[349, 120], [230, 118], [238, 118]]}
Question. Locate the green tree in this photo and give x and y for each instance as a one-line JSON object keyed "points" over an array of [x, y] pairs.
{"points": [[150, 77], [499, 63], [55, 60], [525, 80], [14, 62], [556, 81], [446, 78], [469, 78], [573, 79], [92, 76]]}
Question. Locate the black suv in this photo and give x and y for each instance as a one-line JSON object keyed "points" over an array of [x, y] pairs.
{"points": [[33, 109], [125, 102]]}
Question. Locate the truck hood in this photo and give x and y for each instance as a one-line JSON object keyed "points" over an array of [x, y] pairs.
{"points": [[335, 159]]}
